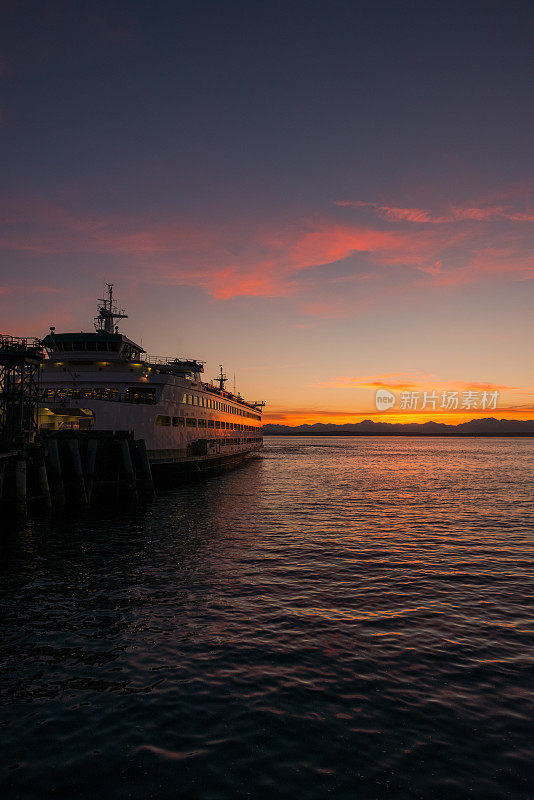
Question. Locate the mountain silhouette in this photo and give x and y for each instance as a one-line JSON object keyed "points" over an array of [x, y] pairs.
{"points": [[475, 427]]}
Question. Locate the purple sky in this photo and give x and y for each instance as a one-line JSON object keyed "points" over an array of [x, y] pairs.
{"points": [[324, 196]]}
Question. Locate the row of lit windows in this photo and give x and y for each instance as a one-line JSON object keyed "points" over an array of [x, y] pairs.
{"points": [[190, 422], [207, 402], [132, 395], [226, 442]]}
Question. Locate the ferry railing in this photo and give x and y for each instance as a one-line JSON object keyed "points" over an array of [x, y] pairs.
{"points": [[229, 396], [60, 396], [166, 361]]}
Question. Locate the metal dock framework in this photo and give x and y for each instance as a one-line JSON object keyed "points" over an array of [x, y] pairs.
{"points": [[61, 469], [20, 372]]}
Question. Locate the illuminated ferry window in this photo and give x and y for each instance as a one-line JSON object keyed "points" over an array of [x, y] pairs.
{"points": [[201, 423], [178, 422], [140, 395], [217, 423], [163, 421], [211, 423], [190, 422], [195, 399], [184, 398]]}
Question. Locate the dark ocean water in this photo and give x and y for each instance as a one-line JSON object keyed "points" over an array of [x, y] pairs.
{"points": [[340, 617]]}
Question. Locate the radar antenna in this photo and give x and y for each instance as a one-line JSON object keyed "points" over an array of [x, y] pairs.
{"points": [[221, 379], [108, 313]]}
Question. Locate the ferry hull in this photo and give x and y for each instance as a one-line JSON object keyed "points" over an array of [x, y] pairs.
{"points": [[167, 473]]}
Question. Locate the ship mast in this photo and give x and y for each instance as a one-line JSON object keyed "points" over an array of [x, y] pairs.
{"points": [[108, 313], [221, 379]]}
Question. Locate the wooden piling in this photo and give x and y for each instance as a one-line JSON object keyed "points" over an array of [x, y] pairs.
{"points": [[99, 467], [78, 481], [42, 482], [55, 475], [145, 480], [127, 466], [90, 461], [21, 505]]}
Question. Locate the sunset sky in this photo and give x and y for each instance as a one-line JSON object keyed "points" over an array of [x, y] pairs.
{"points": [[327, 197]]}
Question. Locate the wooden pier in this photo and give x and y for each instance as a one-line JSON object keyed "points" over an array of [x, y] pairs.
{"points": [[74, 470], [50, 471]]}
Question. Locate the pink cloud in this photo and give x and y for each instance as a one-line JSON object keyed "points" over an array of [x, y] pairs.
{"points": [[434, 269], [225, 261], [455, 213], [28, 289], [490, 262], [266, 260], [35, 324]]}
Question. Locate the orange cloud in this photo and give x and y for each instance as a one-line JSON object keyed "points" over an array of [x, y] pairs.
{"points": [[390, 380], [412, 381]]}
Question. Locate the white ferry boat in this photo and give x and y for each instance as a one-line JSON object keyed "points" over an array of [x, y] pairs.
{"points": [[102, 380]]}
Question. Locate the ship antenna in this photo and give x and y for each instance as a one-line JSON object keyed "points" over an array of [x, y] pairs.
{"points": [[108, 313]]}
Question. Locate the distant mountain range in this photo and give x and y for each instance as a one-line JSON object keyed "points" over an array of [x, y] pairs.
{"points": [[476, 427]]}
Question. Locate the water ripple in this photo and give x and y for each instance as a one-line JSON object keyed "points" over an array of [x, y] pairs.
{"points": [[339, 617]]}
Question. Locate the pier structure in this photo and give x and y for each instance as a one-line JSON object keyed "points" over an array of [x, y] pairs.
{"points": [[20, 371], [54, 470]]}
